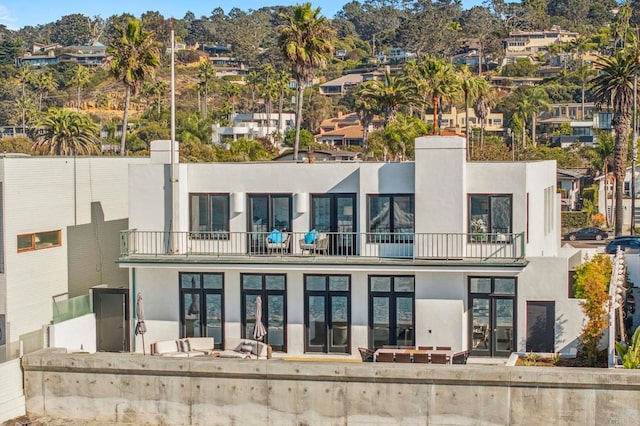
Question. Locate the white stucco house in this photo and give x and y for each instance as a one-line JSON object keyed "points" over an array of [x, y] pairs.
{"points": [[437, 252], [59, 223], [252, 126]]}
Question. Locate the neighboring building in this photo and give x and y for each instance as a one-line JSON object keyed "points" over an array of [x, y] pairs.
{"points": [[84, 55], [340, 85], [320, 156], [606, 196], [252, 126], [345, 130], [59, 224], [455, 120], [583, 126], [526, 44], [92, 55], [439, 251], [570, 188]]}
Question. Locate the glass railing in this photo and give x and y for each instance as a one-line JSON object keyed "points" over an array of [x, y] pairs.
{"points": [[74, 307]]}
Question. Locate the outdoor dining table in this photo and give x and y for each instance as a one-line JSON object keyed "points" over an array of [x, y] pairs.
{"points": [[411, 351]]}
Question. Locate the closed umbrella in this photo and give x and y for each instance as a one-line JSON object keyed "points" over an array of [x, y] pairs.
{"points": [[141, 327], [258, 330]]}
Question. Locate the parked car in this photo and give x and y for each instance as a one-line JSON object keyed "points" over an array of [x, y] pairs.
{"points": [[590, 233], [624, 242]]}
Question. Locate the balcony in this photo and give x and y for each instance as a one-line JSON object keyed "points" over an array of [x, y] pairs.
{"points": [[332, 247]]}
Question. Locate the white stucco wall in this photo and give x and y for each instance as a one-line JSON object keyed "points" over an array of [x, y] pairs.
{"points": [[76, 334], [42, 194]]}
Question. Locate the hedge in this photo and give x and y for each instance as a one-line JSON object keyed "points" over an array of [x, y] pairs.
{"points": [[572, 220]]}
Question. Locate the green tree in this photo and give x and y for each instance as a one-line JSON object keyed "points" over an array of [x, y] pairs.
{"points": [[605, 147], [485, 100], [206, 72], [441, 83], [592, 285], [387, 95], [396, 141], [305, 40], [472, 87], [614, 86], [244, 149], [65, 132], [81, 78], [134, 58], [43, 83]]}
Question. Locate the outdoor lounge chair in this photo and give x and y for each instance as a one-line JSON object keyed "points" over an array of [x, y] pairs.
{"points": [[319, 246], [366, 354], [279, 247]]}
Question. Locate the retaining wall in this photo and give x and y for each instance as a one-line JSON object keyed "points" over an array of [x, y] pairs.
{"points": [[132, 388]]}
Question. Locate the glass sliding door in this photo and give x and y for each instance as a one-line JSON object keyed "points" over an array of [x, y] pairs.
{"points": [[267, 212], [391, 311], [272, 289], [492, 303], [336, 214], [327, 313], [202, 306]]}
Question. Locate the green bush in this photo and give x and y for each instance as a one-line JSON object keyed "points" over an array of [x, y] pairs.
{"points": [[572, 220], [590, 193]]}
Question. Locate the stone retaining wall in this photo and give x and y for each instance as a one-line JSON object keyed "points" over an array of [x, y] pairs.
{"points": [[132, 388]]}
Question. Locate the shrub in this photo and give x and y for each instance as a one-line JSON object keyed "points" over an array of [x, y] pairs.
{"points": [[592, 283], [597, 219], [572, 220]]}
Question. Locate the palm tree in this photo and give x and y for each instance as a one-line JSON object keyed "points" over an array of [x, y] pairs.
{"points": [[80, 78], [614, 86], [24, 78], [365, 108], [483, 104], [441, 82], [44, 83], [65, 132], [388, 95], [281, 81], [134, 58], [206, 72], [605, 150], [155, 89], [538, 100], [305, 40], [253, 78], [471, 87]]}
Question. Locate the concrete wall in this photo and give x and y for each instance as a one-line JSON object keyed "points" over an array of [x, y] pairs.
{"points": [[125, 388], [77, 334], [12, 402]]}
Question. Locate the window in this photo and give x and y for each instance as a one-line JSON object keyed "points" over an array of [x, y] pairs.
{"points": [[39, 240], [209, 215], [549, 202], [391, 311], [490, 214], [391, 218], [572, 283], [202, 306]]}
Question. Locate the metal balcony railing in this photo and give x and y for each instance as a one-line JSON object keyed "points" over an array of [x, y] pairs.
{"points": [[412, 246]]}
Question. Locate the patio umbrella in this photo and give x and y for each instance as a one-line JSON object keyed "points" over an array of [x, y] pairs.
{"points": [[258, 330], [141, 327]]}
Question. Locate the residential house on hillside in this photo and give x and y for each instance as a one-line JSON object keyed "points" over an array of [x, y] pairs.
{"points": [[340, 85], [455, 120], [253, 126], [42, 55], [526, 44], [344, 255], [583, 125], [345, 130], [59, 225]]}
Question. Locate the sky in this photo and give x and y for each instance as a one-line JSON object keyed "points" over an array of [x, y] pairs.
{"points": [[18, 14]]}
